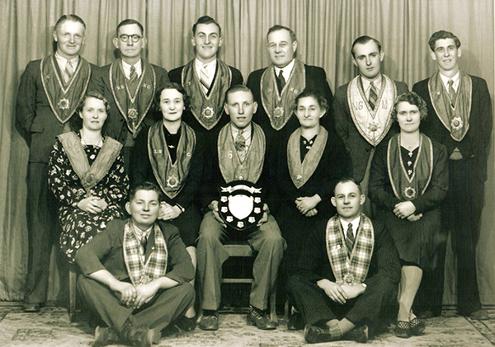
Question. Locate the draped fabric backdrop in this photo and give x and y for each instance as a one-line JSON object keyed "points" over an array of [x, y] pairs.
{"points": [[325, 31]]}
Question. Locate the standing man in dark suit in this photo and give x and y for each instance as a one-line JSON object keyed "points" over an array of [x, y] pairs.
{"points": [[129, 84], [275, 87], [461, 119], [49, 93], [363, 108], [206, 78]]}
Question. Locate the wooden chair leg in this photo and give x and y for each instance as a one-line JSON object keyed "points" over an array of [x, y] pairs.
{"points": [[72, 293]]}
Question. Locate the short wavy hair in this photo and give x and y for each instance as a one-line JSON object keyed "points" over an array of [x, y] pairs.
{"points": [[442, 34], [308, 92], [76, 121], [413, 99], [171, 85]]}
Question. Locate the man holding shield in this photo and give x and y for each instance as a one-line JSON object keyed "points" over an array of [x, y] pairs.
{"points": [[240, 153]]}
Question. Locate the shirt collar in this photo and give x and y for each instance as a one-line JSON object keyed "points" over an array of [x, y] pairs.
{"points": [[246, 131], [377, 82], [142, 233], [354, 222], [62, 61], [455, 78], [127, 68], [286, 70]]}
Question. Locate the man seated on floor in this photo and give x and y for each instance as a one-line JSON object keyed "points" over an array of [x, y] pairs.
{"points": [[347, 274], [136, 274], [240, 152]]}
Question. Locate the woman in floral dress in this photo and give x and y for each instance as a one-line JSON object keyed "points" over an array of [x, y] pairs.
{"points": [[87, 177]]}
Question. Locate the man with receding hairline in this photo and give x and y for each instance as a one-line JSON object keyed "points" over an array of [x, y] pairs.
{"points": [[460, 117], [363, 107], [129, 84], [49, 92]]}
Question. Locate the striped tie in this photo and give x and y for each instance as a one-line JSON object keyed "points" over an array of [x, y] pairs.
{"points": [[373, 96], [133, 74], [240, 145], [452, 93], [349, 239], [68, 71], [204, 78]]}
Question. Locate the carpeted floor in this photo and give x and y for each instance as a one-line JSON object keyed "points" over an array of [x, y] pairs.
{"points": [[51, 327]]}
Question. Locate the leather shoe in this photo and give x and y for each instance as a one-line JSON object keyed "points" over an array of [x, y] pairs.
{"points": [[260, 319], [104, 336], [403, 329], [136, 336], [480, 314], [295, 321], [358, 334], [317, 334], [209, 322], [27, 307], [417, 326], [186, 324]]}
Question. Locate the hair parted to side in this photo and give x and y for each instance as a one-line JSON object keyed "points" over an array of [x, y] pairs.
{"points": [[237, 88], [316, 94], [206, 20], [171, 85], [129, 21], [345, 180], [69, 17], [413, 99], [76, 121], [146, 185], [278, 27], [442, 34], [365, 39]]}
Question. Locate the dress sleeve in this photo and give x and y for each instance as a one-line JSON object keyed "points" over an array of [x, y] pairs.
{"points": [[118, 183], [62, 179]]}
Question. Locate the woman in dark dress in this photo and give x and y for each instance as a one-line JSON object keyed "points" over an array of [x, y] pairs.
{"points": [[408, 182], [309, 165], [170, 154], [86, 175]]}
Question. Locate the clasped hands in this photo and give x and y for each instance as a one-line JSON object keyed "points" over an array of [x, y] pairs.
{"points": [[168, 211], [135, 296], [340, 293], [307, 205], [406, 210], [92, 204]]}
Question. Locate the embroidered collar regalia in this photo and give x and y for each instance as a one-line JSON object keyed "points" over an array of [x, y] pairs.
{"points": [[207, 107], [278, 106], [89, 175], [350, 268], [373, 125], [133, 100], [231, 167], [64, 97], [454, 116], [407, 187], [142, 269], [170, 176], [301, 172]]}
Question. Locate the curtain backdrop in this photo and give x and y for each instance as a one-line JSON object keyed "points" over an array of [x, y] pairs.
{"points": [[325, 31]]}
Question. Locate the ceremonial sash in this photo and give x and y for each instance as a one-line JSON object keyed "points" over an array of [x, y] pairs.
{"points": [[141, 272], [279, 106], [89, 175], [133, 106], [406, 188], [230, 165], [351, 269], [373, 125], [207, 108], [64, 98], [170, 176], [301, 172], [455, 119]]}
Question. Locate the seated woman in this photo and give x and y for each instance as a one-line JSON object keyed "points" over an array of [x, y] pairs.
{"points": [[310, 164], [408, 182], [86, 175], [170, 154]]}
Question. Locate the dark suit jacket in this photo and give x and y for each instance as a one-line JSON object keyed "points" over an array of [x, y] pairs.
{"points": [[105, 252], [359, 149], [314, 264], [475, 144], [115, 124], [34, 117], [316, 79], [176, 76]]}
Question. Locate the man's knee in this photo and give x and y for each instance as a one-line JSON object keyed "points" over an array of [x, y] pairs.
{"points": [[270, 233], [295, 282], [210, 229]]}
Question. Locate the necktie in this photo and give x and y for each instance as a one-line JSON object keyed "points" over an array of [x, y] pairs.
{"points": [[349, 239], [373, 96], [280, 81], [452, 93], [68, 71], [133, 74], [144, 242], [240, 145], [204, 78]]}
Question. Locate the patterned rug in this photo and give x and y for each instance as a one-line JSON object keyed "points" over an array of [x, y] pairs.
{"points": [[51, 327]]}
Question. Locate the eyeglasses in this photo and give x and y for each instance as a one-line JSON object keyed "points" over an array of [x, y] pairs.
{"points": [[133, 38]]}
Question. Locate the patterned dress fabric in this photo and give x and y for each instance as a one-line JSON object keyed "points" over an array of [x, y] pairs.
{"points": [[78, 226]]}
